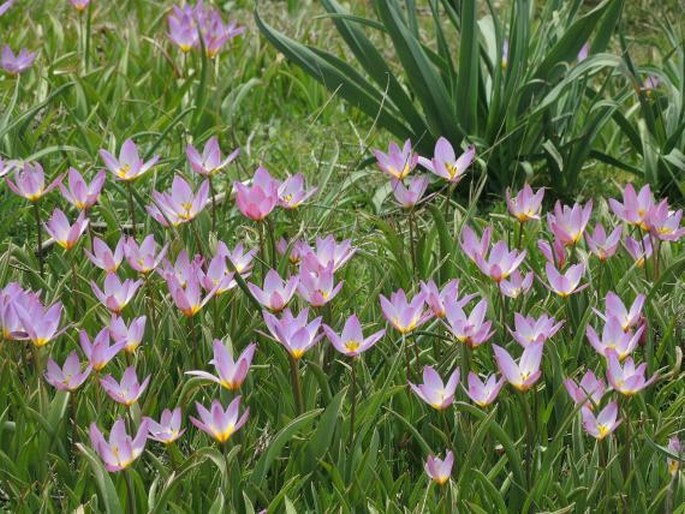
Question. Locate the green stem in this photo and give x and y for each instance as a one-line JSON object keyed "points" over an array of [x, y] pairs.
{"points": [[73, 407], [412, 244], [89, 19], [297, 386], [628, 442], [130, 496], [74, 287], [131, 208], [211, 192], [38, 365], [530, 437], [520, 235], [194, 341], [353, 400], [407, 357], [262, 252], [39, 239]]}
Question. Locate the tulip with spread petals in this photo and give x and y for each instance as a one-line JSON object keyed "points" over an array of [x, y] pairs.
{"points": [[188, 296], [29, 182], [62, 232], [168, 429], [472, 330], [292, 192], [588, 392], [327, 250], [116, 293], [615, 308], [500, 262], [295, 333], [276, 293], [398, 163], [146, 257], [639, 251], [664, 223], [220, 424], [433, 391], [526, 373], [403, 315], [211, 160], [439, 470], [179, 204], [40, 324], [294, 249], [614, 338], [600, 244], [12, 296], [16, 64], [230, 374], [526, 205], [351, 342], [517, 284], [627, 379], [80, 5], [604, 423], [128, 390], [70, 376], [129, 166], [240, 260], [317, 287], [121, 450], [103, 257], [439, 300], [567, 283], [472, 245], [408, 197], [99, 352], [131, 335], [218, 277], [483, 392], [257, 200], [568, 223], [445, 163], [635, 207], [529, 330], [183, 30], [79, 193]]}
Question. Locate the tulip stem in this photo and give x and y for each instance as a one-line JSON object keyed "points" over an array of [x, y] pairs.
{"points": [[262, 252], [412, 247], [130, 497], [192, 331], [86, 58], [73, 407], [39, 238], [520, 235], [211, 192], [530, 434], [297, 386], [131, 208], [38, 365], [272, 242], [74, 288], [406, 356], [628, 442], [353, 399]]}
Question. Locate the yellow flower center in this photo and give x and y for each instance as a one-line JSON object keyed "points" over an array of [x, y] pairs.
{"points": [[352, 346]]}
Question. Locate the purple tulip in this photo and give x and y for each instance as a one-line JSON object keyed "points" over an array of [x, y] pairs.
{"points": [[445, 163], [259, 199], [650, 84], [80, 194], [12, 300], [229, 373], [16, 64], [567, 283], [129, 166], [433, 391], [439, 470], [179, 204], [397, 163], [292, 192], [296, 334], [600, 244], [352, 341], [568, 223], [70, 376], [211, 161], [182, 28], [472, 330], [664, 223], [439, 301], [524, 374], [583, 52], [29, 182], [554, 253], [483, 393], [298, 249], [589, 392], [117, 293], [62, 232], [532, 331], [639, 251], [219, 423], [80, 5], [218, 278], [185, 288], [500, 262], [121, 450], [516, 284], [614, 338], [168, 429], [635, 206], [604, 423], [99, 352], [241, 260], [403, 315], [5, 6], [526, 205], [128, 391], [276, 293], [40, 324], [675, 447], [471, 245], [103, 257], [627, 379], [187, 24], [327, 250], [217, 33], [131, 335], [408, 197], [317, 287], [146, 257], [615, 308]]}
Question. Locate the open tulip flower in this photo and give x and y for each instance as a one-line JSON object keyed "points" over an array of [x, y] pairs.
{"points": [[516, 284], [352, 341], [211, 161], [664, 223], [292, 192], [327, 250], [433, 391], [526, 373], [635, 207], [439, 470], [472, 245], [500, 262], [29, 182], [218, 277], [403, 315], [445, 163], [483, 392], [220, 424], [80, 5], [40, 324], [317, 287], [128, 391], [183, 270], [529, 330], [230, 374], [567, 283], [100, 351], [297, 250], [16, 64], [295, 333], [398, 163], [440, 300], [604, 423], [640, 251], [408, 197], [187, 295], [588, 392], [554, 253], [70, 376], [121, 450], [257, 200], [103, 257], [614, 338], [600, 244], [131, 335], [146, 257], [179, 204], [168, 429], [79, 193], [568, 223], [13, 298], [240, 260], [62, 232], [615, 308], [276, 293], [116, 293], [472, 330], [627, 379], [526, 205], [129, 166]]}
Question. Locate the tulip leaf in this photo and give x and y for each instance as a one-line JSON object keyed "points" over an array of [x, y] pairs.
{"points": [[108, 493]]}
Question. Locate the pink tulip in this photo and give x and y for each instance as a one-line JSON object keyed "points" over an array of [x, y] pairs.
{"points": [[352, 341], [627, 379], [675, 447], [328, 250], [210, 162], [530, 330], [408, 197], [500, 262], [403, 315], [664, 223], [29, 182], [471, 245], [68, 378], [146, 257], [276, 293], [397, 163], [567, 283], [116, 293], [129, 166], [472, 330], [433, 391], [614, 338], [516, 284], [604, 423], [445, 163], [103, 257], [99, 352], [80, 194], [16, 64], [439, 301], [439, 470], [168, 429], [292, 192], [241, 260], [131, 335], [5, 6], [317, 286], [554, 253], [296, 334], [639, 251], [128, 391], [40, 324], [62, 232], [219, 423], [589, 392], [526, 205], [615, 308], [635, 206], [568, 223], [259, 199], [526, 373], [230, 374], [80, 5], [600, 244], [122, 450], [179, 204], [483, 393]]}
